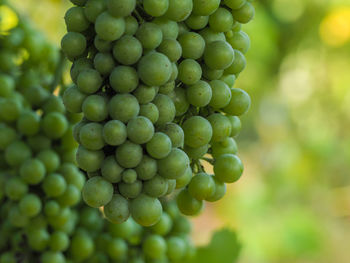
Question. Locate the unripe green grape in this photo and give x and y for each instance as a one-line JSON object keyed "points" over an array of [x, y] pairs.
{"points": [[131, 25], [123, 107], [102, 45], [187, 204], [156, 7], [70, 197], [129, 154], [179, 10], [238, 64], [235, 124], [146, 210], [190, 72], [89, 81], [16, 153], [235, 4], [129, 176], [198, 131], [220, 191], [221, 94], [54, 125], [95, 108], [229, 79], [154, 246], [147, 168], [36, 95], [221, 126], [145, 94], [228, 145], [163, 226], [239, 103], [210, 35], [192, 45], [132, 190], [199, 94], [15, 188], [90, 136], [244, 14], [124, 79], [171, 48], [97, 192], [154, 69], [82, 246], [30, 205], [104, 63], [28, 123], [240, 41], [59, 241], [180, 101], [54, 103], [175, 133], [93, 8], [111, 170], [166, 109], [196, 153], [10, 109], [32, 171], [127, 50], [218, 55], [176, 248], [174, 165], [117, 249], [149, 111], [117, 210], [76, 20], [201, 186], [7, 135], [182, 225], [109, 28], [221, 20], [121, 8], [228, 168], [184, 179], [73, 44], [169, 28], [89, 160], [51, 208], [159, 146], [7, 85], [211, 74], [197, 22], [114, 132], [54, 185], [79, 65], [155, 187], [8, 257], [167, 88], [38, 239], [150, 35], [140, 130]]}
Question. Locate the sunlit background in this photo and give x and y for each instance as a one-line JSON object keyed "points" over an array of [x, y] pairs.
{"points": [[293, 202]]}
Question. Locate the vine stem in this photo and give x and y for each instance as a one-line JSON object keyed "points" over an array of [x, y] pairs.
{"points": [[59, 72]]}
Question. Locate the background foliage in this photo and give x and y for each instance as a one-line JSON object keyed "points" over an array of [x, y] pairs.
{"points": [[293, 202]]}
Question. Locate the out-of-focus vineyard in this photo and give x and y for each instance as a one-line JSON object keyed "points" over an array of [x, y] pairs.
{"points": [[293, 201]]}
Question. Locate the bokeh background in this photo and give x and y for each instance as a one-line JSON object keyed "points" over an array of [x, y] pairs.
{"points": [[293, 202]]}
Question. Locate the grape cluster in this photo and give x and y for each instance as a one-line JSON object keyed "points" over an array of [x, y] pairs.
{"points": [[154, 80]]}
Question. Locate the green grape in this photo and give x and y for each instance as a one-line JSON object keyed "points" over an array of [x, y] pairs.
{"points": [[129, 176], [117, 210], [163, 226], [35, 95], [180, 101], [90, 219], [129, 155], [156, 7], [114, 132], [221, 94], [229, 79], [184, 179], [176, 248], [221, 20], [198, 131], [235, 124], [54, 125], [140, 130], [167, 88], [206, 8], [121, 8], [8, 257], [73, 44], [97, 192], [228, 145], [179, 10], [111, 170], [239, 103], [201, 186], [7, 85], [150, 35], [89, 81], [82, 246], [104, 63], [28, 123], [79, 65], [59, 241], [154, 69], [218, 55], [54, 185], [146, 210], [70, 197], [149, 111], [101, 45], [52, 257], [124, 230], [192, 45], [131, 25], [174, 165], [196, 153], [95, 108], [199, 94], [244, 14], [211, 74], [76, 20], [221, 126], [123, 107], [235, 4], [32, 171], [190, 72], [147, 168], [51, 208], [170, 29], [238, 64], [93, 8], [89, 160], [17, 218], [72, 175], [239, 41], [166, 109], [220, 191], [7, 135], [54, 103], [109, 28], [127, 50], [124, 79], [38, 239], [90, 136], [171, 48], [145, 94], [10, 109], [210, 35], [228, 168], [187, 204], [159, 146], [15, 188], [155, 187], [117, 249], [175, 133], [130, 190], [30, 205], [154, 246], [181, 226], [195, 22], [61, 219]]}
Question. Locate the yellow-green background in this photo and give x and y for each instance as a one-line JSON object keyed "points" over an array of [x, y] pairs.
{"points": [[293, 201]]}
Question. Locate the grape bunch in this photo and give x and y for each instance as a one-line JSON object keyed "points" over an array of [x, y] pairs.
{"points": [[154, 80]]}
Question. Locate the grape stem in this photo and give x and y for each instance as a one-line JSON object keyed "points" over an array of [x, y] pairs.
{"points": [[139, 17]]}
